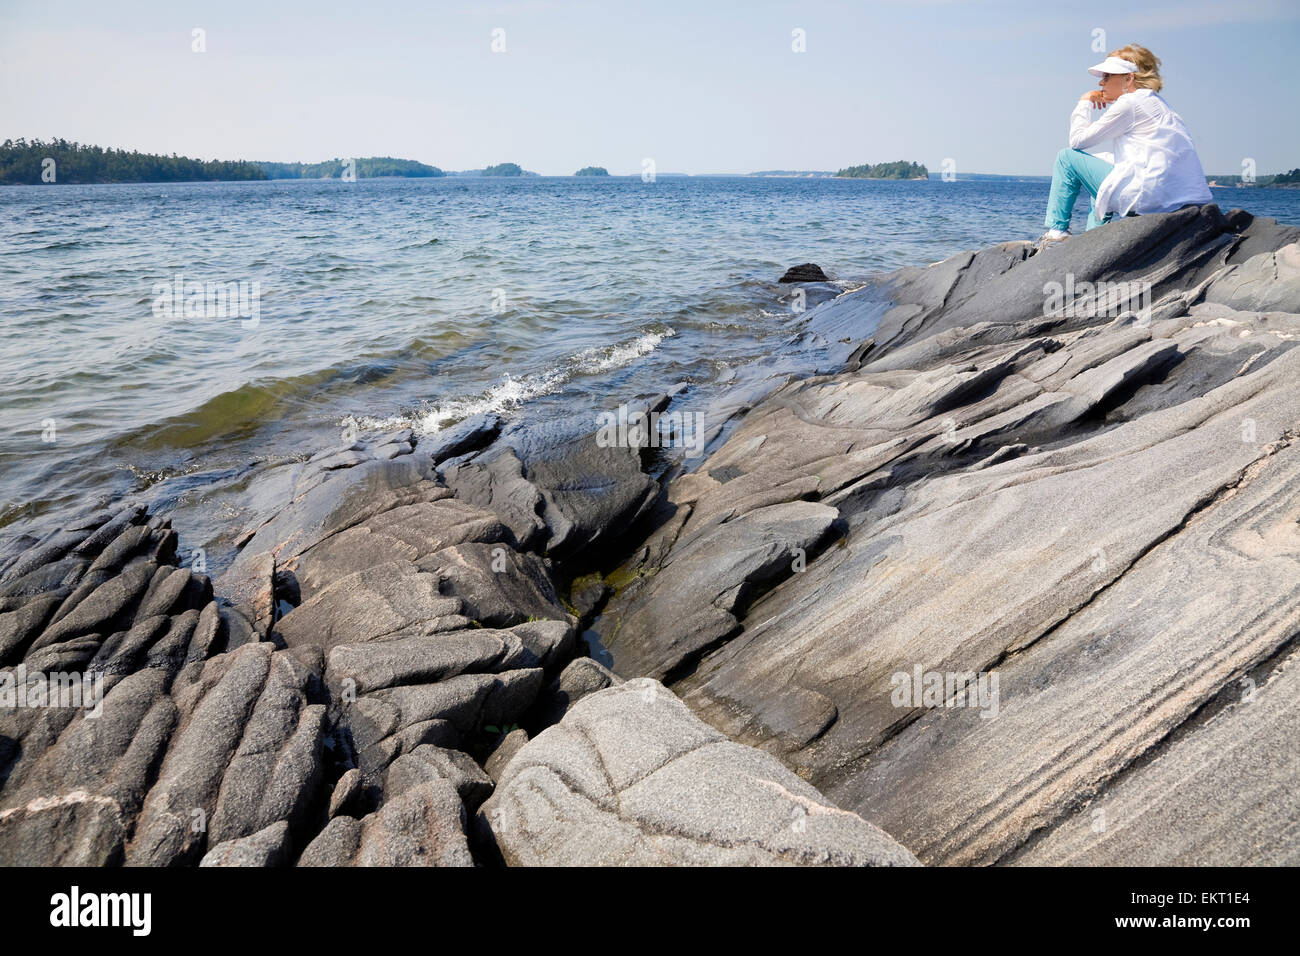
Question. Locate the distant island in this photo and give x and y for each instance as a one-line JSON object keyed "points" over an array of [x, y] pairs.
{"points": [[1289, 180], [370, 167], [501, 169], [898, 170], [28, 162], [23, 162]]}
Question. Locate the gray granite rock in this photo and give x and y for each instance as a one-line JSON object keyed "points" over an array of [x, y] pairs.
{"points": [[696, 594], [510, 745], [349, 795], [631, 777], [470, 434], [74, 795], [267, 847], [1024, 491], [579, 679], [245, 755], [427, 762], [1197, 803], [1268, 282], [422, 826], [1092, 498]]}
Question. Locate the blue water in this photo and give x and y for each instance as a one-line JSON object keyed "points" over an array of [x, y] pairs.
{"points": [[390, 303]]}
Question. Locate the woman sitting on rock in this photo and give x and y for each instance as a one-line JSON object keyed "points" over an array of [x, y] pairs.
{"points": [[1136, 157]]}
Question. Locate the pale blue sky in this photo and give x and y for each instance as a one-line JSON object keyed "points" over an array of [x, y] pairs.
{"points": [[701, 87]]}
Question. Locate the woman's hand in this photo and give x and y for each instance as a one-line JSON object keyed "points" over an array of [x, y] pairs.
{"points": [[1097, 98]]}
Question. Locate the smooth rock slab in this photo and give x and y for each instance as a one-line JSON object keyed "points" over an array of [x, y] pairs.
{"points": [[694, 600], [631, 777], [1204, 802]]}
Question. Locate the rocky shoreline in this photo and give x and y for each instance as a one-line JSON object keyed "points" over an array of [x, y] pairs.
{"points": [[1087, 505]]}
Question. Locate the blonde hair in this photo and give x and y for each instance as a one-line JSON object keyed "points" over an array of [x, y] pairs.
{"points": [[1148, 64]]}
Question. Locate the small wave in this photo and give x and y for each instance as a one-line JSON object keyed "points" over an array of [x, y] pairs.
{"points": [[511, 392], [596, 361]]}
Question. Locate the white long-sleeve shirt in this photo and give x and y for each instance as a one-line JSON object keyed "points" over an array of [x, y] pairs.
{"points": [[1156, 166]]}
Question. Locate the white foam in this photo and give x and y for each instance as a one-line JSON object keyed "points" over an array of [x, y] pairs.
{"points": [[511, 393], [595, 361]]}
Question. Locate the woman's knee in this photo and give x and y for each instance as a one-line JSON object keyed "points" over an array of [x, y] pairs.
{"points": [[1063, 157]]}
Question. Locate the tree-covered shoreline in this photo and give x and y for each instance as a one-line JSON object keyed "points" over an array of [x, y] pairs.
{"points": [[899, 170], [369, 167], [60, 161], [1290, 180]]}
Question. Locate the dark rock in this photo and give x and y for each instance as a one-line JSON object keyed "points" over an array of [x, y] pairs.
{"points": [[166, 589], [121, 653], [350, 796], [72, 802], [495, 584], [496, 483], [95, 542], [57, 579], [807, 272], [247, 754], [581, 678], [470, 434], [588, 593], [392, 721], [564, 495], [345, 498], [693, 600], [18, 628], [106, 603], [407, 533], [510, 745], [380, 601]]}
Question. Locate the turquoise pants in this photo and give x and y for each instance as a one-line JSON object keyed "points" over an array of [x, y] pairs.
{"points": [[1074, 170]]}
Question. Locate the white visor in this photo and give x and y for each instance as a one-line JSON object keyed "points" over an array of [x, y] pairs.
{"points": [[1112, 64]]}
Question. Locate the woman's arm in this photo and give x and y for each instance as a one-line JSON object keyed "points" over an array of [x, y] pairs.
{"points": [[1115, 121]]}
